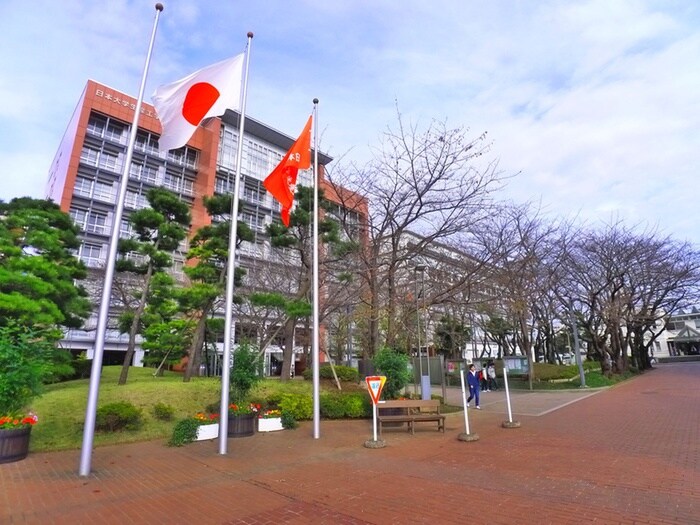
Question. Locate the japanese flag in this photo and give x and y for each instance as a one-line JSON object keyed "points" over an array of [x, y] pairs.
{"points": [[209, 92]]}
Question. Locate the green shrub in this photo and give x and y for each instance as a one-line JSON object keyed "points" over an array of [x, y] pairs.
{"points": [[299, 406], [244, 372], [393, 365], [61, 366], [288, 421], [25, 361], [185, 431], [339, 405], [82, 368], [332, 406], [357, 405], [344, 373], [121, 415], [163, 412]]}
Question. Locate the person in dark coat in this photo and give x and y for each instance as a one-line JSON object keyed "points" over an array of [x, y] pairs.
{"points": [[473, 382]]}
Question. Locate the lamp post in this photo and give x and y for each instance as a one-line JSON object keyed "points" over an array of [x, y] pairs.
{"points": [[424, 379]]}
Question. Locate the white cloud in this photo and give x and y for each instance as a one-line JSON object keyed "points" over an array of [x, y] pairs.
{"points": [[595, 103]]}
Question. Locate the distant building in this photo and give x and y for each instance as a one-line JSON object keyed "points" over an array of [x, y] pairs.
{"points": [[85, 173], [681, 337]]}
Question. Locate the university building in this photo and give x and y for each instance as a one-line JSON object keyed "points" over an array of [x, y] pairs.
{"points": [[86, 170]]}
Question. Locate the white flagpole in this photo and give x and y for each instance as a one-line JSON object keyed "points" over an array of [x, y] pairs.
{"points": [[315, 347], [103, 315], [228, 323]]}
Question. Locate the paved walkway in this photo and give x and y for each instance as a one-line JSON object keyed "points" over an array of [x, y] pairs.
{"points": [[628, 454]]}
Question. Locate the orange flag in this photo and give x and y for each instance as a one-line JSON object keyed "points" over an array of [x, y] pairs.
{"points": [[281, 182]]}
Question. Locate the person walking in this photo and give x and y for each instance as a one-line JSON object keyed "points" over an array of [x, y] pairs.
{"points": [[473, 382], [491, 372], [483, 379]]}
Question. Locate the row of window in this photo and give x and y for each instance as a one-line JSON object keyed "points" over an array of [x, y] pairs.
{"points": [[258, 158], [115, 131]]}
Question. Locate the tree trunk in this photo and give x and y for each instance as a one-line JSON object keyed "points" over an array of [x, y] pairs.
{"points": [[288, 350], [196, 348], [133, 330]]}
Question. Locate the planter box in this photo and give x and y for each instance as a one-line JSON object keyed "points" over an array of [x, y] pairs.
{"points": [[14, 444], [270, 425], [241, 426], [210, 431]]}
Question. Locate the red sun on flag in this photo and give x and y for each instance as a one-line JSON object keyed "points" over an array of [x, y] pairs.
{"points": [[199, 100]]}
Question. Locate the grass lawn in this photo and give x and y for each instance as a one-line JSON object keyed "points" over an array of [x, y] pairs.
{"points": [[61, 409]]}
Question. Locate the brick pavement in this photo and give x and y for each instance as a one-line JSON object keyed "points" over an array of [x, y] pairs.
{"points": [[629, 454]]}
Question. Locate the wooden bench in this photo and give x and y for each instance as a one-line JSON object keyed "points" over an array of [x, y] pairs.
{"points": [[413, 411]]}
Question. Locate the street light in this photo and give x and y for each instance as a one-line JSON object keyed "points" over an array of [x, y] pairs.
{"points": [[424, 379]]}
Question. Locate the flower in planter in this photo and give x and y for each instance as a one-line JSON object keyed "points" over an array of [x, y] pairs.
{"points": [[240, 410], [270, 414], [206, 418], [10, 422]]}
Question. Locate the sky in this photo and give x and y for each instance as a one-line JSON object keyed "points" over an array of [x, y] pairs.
{"points": [[593, 107]]}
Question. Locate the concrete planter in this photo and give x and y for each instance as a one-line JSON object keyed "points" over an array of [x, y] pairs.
{"points": [[205, 432], [270, 425]]}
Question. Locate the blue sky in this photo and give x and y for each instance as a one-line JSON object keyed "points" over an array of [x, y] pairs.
{"points": [[595, 105]]}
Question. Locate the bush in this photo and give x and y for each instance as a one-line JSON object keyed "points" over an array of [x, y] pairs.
{"points": [[298, 406], [342, 405], [82, 368], [244, 372], [344, 373], [332, 406], [163, 412], [61, 367], [393, 365], [288, 421], [25, 361], [185, 431], [121, 415]]}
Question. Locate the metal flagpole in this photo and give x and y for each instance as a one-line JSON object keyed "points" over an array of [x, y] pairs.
{"points": [[228, 322], [103, 315], [315, 347]]}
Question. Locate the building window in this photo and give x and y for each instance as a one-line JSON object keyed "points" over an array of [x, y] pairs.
{"points": [[100, 159], [91, 255], [147, 143], [90, 221], [254, 195], [228, 146], [92, 189], [135, 201], [191, 157], [89, 156], [224, 186], [147, 174], [96, 125], [126, 230], [172, 182], [255, 221]]}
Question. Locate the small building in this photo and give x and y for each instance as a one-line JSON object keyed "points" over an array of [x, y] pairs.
{"points": [[681, 337]]}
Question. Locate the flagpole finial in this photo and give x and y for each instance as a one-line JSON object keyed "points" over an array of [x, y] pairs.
{"points": [[315, 101], [159, 6], [250, 34]]}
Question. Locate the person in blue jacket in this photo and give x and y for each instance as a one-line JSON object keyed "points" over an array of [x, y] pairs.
{"points": [[473, 382]]}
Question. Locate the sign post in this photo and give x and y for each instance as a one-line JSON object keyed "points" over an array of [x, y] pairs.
{"points": [[510, 423], [374, 386], [467, 435]]}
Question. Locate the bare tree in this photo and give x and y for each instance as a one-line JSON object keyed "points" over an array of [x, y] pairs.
{"points": [[523, 249], [426, 181], [623, 283]]}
